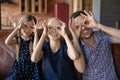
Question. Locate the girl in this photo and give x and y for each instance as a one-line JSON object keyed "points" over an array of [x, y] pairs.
{"points": [[23, 68], [59, 56]]}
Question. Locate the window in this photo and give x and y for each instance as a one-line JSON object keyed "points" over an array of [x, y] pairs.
{"points": [[79, 5], [33, 6]]}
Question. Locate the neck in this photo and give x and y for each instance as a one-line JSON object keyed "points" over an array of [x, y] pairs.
{"points": [[55, 45], [25, 37], [90, 41]]}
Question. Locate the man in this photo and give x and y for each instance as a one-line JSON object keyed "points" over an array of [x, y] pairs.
{"points": [[96, 45]]}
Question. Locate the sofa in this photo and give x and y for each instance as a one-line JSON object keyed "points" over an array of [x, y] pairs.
{"points": [[7, 56]]}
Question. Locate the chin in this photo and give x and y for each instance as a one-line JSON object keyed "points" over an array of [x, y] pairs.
{"points": [[86, 36], [56, 38]]}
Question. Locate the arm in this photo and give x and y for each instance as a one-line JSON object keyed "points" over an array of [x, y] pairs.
{"points": [[35, 35], [91, 23], [72, 53], [115, 33], [79, 63], [10, 40], [38, 53]]}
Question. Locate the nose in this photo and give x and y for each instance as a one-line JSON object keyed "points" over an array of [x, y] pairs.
{"points": [[83, 27]]}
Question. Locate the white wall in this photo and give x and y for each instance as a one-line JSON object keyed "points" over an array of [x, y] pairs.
{"points": [[96, 9]]}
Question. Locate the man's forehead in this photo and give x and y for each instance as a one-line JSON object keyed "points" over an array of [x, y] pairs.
{"points": [[79, 19]]}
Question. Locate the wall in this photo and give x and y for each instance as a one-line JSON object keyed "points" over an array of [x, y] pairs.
{"points": [[110, 12], [10, 13], [96, 9]]}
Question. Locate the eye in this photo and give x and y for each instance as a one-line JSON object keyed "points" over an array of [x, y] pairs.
{"points": [[25, 26], [31, 27], [77, 26], [49, 27], [86, 22]]}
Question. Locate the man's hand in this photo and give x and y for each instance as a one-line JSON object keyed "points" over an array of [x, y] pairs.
{"points": [[89, 20]]}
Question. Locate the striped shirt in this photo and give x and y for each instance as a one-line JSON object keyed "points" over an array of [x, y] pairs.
{"points": [[99, 60]]}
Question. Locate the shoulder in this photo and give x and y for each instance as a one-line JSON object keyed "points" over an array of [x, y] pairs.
{"points": [[102, 36]]}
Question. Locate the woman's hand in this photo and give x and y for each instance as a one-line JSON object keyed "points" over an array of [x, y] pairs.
{"points": [[61, 28], [44, 25], [75, 30]]}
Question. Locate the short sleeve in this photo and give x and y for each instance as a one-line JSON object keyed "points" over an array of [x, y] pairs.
{"points": [[104, 36]]}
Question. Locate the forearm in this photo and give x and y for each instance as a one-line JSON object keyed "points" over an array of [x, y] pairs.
{"points": [[72, 53], [35, 40], [11, 36], [37, 53], [79, 63], [109, 30]]}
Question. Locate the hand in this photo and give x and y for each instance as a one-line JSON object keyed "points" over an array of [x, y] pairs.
{"points": [[44, 25], [75, 30], [36, 26], [61, 28], [20, 23], [89, 20]]}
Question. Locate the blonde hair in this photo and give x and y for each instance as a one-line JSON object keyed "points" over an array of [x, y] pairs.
{"points": [[18, 45]]}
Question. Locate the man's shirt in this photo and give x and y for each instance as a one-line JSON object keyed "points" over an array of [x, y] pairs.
{"points": [[99, 60]]}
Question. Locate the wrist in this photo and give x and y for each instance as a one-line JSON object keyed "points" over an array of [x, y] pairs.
{"points": [[17, 28], [98, 26], [65, 35]]}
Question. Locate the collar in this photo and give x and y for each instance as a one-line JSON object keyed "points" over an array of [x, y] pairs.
{"points": [[97, 35]]}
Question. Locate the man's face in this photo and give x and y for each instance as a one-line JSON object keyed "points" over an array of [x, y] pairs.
{"points": [[85, 32]]}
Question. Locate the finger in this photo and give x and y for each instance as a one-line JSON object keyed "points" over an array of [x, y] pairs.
{"points": [[70, 21], [73, 21], [60, 22], [86, 13], [84, 21], [83, 15], [63, 24], [44, 22], [91, 13], [37, 22]]}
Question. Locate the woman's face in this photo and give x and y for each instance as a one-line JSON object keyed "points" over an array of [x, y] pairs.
{"points": [[52, 32], [85, 32], [27, 28]]}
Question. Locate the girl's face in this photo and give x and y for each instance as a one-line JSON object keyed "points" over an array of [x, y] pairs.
{"points": [[27, 28], [85, 32], [52, 32]]}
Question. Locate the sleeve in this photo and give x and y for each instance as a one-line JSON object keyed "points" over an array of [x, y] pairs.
{"points": [[106, 37]]}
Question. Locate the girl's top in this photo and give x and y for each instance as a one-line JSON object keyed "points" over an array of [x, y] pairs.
{"points": [[57, 66], [24, 69]]}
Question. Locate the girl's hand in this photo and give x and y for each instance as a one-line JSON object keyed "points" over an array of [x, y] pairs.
{"points": [[61, 28], [89, 20], [20, 23], [36, 26]]}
